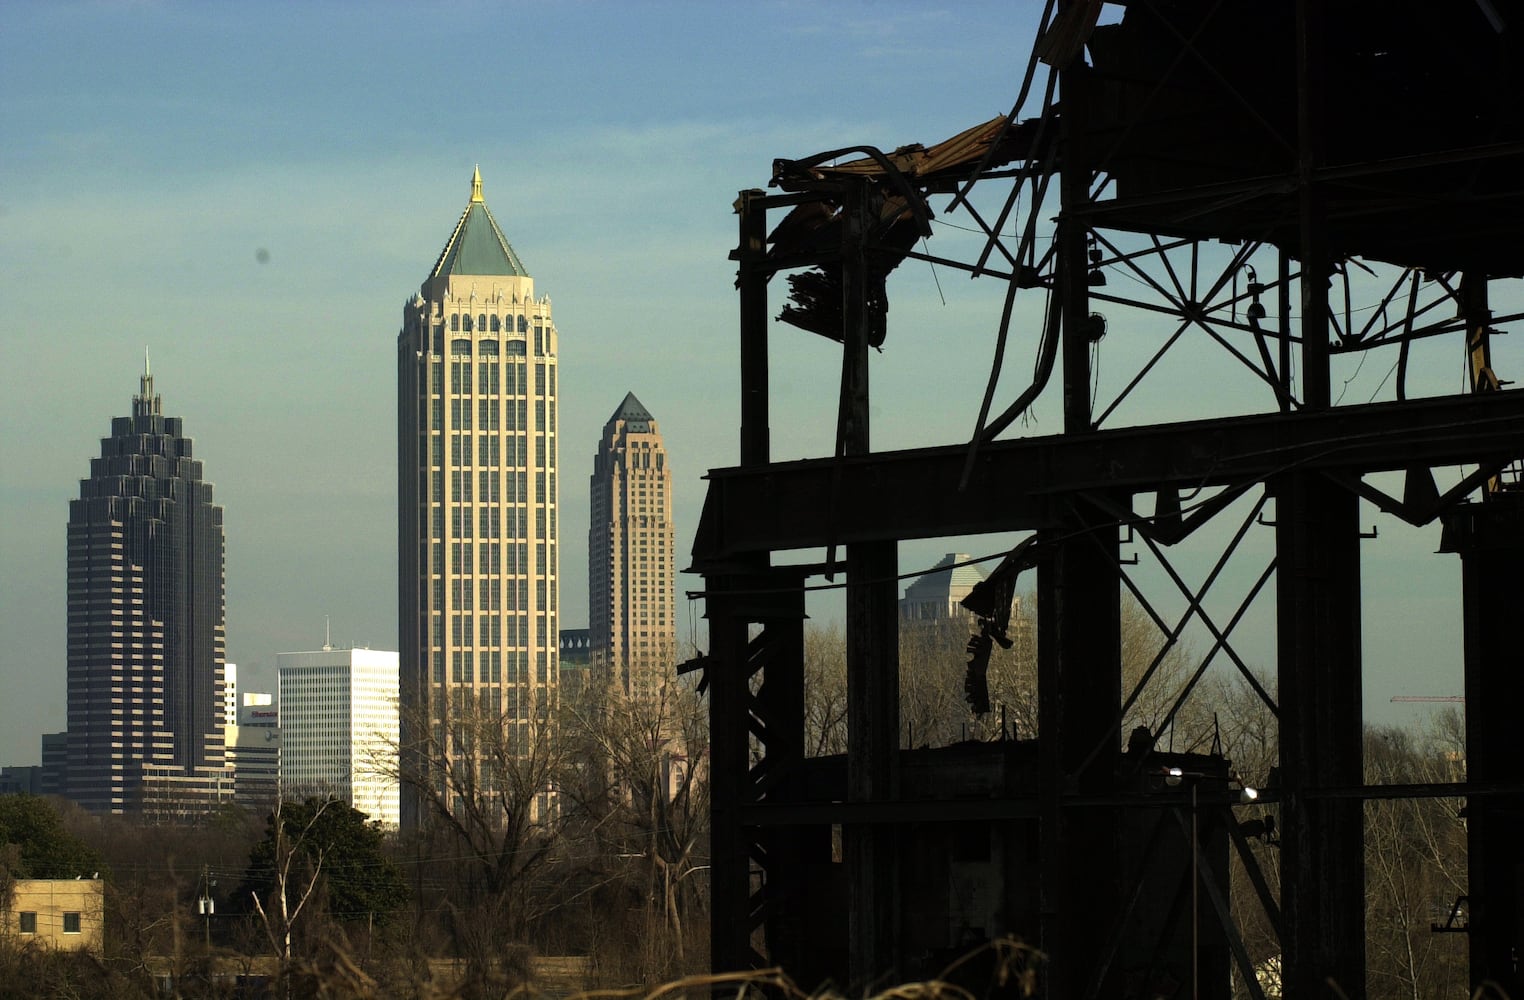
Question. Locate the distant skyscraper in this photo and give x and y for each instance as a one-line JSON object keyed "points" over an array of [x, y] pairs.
{"points": [[339, 728], [253, 750], [145, 630], [631, 570], [476, 442], [938, 595]]}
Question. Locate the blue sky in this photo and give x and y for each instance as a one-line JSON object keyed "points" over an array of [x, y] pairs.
{"points": [[152, 151]]}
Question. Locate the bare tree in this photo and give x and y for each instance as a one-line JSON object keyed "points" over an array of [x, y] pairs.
{"points": [[825, 690], [639, 779], [485, 779], [1415, 867]]}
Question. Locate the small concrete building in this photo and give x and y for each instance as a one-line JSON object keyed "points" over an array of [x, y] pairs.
{"points": [[63, 913]]}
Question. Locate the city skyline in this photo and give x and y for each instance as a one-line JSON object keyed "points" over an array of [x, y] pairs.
{"points": [[223, 184]]}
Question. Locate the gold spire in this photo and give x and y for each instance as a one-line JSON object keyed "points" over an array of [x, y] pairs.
{"points": [[476, 184]]}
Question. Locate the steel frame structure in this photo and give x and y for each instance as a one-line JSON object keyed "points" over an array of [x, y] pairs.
{"points": [[1078, 491]]}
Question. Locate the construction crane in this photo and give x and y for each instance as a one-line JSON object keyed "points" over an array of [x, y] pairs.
{"points": [[1459, 699]]}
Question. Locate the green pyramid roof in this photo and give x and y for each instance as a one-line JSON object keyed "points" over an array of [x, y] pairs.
{"points": [[631, 409], [478, 246], [946, 580]]}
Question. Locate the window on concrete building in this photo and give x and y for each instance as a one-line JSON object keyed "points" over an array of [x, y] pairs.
{"points": [[28, 922], [71, 923]]}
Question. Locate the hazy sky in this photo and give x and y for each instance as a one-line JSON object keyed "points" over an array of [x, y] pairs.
{"points": [[252, 191]]}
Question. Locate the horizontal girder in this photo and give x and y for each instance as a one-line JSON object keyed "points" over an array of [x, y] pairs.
{"points": [[1012, 484]]}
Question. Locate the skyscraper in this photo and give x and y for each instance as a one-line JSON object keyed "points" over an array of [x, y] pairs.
{"points": [[476, 442], [145, 628], [631, 570], [338, 728]]}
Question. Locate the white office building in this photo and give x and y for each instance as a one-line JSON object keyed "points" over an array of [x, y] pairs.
{"points": [[339, 729]]}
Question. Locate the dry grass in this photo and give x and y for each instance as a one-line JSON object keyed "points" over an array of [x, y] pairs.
{"points": [[1014, 967]]}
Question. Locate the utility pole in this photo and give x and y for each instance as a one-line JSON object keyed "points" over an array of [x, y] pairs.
{"points": [[205, 904]]}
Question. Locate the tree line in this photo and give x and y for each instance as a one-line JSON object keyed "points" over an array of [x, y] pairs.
{"points": [[585, 832]]}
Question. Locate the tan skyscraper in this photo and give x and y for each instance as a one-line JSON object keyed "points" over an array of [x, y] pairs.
{"points": [[476, 422], [631, 569]]}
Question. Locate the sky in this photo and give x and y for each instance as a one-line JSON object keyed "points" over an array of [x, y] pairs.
{"points": [[251, 192]]}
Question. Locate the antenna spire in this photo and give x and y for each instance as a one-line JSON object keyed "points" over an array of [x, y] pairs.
{"points": [[476, 184], [327, 635], [145, 403]]}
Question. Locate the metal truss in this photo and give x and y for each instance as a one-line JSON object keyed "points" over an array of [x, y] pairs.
{"points": [[1282, 273]]}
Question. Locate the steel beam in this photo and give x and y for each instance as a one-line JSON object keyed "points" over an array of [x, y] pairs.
{"points": [[818, 502]]}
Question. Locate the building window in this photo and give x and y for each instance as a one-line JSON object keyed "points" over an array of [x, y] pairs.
{"points": [[71, 923], [28, 922]]}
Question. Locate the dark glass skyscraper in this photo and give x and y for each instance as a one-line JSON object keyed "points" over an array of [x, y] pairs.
{"points": [[146, 644]]}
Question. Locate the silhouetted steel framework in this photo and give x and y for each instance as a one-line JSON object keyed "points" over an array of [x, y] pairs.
{"points": [[1316, 141]]}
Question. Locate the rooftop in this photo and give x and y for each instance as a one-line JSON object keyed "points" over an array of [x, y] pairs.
{"points": [[478, 246]]}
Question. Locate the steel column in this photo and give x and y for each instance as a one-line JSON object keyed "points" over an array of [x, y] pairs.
{"points": [[1318, 608], [1490, 540], [1079, 653], [1318, 618], [730, 865], [873, 677], [1079, 694], [751, 283]]}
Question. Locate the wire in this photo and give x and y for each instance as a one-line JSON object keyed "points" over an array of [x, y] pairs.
{"points": [[933, 268], [1356, 374]]}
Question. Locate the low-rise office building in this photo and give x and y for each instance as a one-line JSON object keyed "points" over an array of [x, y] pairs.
{"points": [[62, 913]]}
